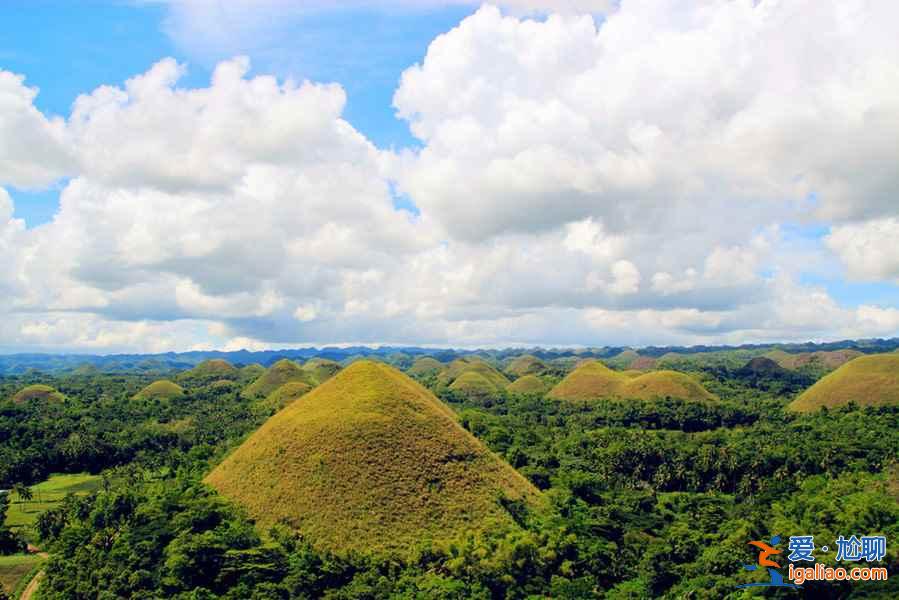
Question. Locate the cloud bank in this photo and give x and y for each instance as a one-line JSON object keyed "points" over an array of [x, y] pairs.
{"points": [[636, 179]]}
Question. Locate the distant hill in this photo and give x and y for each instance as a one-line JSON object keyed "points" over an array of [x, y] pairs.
{"points": [[825, 359], [275, 376], [593, 380], [37, 393], [321, 369], [425, 367], [473, 364], [208, 371], [528, 384], [281, 397], [162, 389], [868, 381], [526, 364], [370, 461]]}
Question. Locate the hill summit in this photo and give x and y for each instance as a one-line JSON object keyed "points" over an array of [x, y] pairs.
{"points": [[162, 389], [871, 380], [593, 380], [283, 371], [37, 393], [370, 459]]}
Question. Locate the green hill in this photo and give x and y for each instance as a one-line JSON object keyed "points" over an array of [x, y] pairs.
{"points": [[283, 396], [525, 365], [251, 373], [162, 389], [370, 460], [472, 364], [37, 393], [209, 371], [425, 367], [529, 384], [594, 380], [870, 380], [275, 376], [831, 359], [474, 385], [321, 369]]}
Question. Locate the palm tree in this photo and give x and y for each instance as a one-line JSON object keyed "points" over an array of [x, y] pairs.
{"points": [[23, 491]]}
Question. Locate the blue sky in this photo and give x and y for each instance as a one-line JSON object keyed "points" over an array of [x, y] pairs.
{"points": [[66, 48]]}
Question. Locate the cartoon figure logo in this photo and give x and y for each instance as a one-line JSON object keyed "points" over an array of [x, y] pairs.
{"points": [[765, 550]]}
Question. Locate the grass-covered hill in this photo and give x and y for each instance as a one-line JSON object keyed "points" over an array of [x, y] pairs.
{"points": [[472, 364], [370, 461], [37, 393], [474, 385], [593, 380], [526, 364], [283, 371], [209, 371], [825, 359], [162, 389], [868, 381], [425, 367], [321, 369], [283, 396], [528, 384]]}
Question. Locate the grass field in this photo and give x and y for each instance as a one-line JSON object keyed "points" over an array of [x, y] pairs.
{"points": [[14, 568], [47, 494]]}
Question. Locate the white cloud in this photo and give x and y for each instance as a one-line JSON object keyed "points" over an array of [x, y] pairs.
{"points": [[869, 248], [33, 149]]}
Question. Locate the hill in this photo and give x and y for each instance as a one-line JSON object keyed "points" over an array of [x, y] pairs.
{"points": [[826, 359], [321, 369], [526, 364], [162, 389], [370, 460], [472, 364], [870, 380], [643, 363], [283, 396], [37, 393], [209, 371], [275, 376], [474, 385], [529, 384], [425, 367], [761, 367], [594, 380]]}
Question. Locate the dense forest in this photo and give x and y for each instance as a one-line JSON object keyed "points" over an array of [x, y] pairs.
{"points": [[647, 498]]}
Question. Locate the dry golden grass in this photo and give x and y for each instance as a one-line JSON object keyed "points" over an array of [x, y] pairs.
{"points": [[474, 385], [283, 396], [37, 393], [528, 384], [643, 363], [321, 369], [162, 389], [594, 380], [473, 364], [525, 365], [425, 366], [209, 371], [829, 359], [283, 371], [370, 461], [868, 381]]}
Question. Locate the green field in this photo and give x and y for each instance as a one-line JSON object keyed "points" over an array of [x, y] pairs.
{"points": [[14, 568], [47, 494]]}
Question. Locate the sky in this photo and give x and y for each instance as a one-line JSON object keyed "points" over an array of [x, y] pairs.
{"points": [[199, 174]]}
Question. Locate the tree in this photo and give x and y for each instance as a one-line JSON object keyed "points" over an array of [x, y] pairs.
{"points": [[23, 491]]}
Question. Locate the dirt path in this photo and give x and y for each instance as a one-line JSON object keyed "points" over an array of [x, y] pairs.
{"points": [[32, 586]]}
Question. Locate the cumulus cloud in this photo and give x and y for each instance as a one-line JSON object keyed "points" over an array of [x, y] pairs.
{"points": [[33, 149], [580, 182]]}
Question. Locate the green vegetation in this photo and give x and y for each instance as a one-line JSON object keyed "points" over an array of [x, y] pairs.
{"points": [[321, 369], [472, 364], [23, 512], [283, 371], [867, 381], [822, 359], [16, 571], [162, 389], [37, 393], [594, 380], [528, 384], [424, 476], [208, 371], [425, 366], [645, 498], [283, 396], [526, 364]]}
